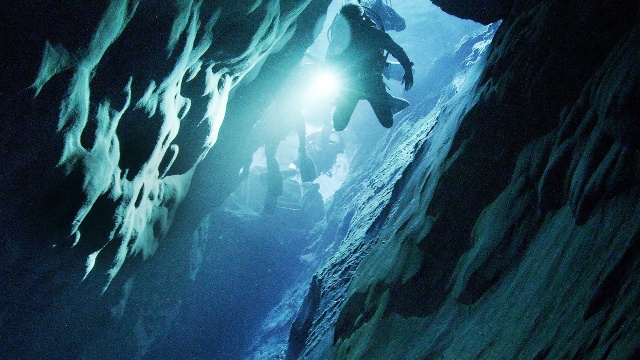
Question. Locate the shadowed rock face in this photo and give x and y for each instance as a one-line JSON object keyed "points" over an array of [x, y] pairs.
{"points": [[515, 234], [482, 11]]}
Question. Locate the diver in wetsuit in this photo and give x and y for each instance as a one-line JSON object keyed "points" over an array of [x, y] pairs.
{"points": [[357, 51]]}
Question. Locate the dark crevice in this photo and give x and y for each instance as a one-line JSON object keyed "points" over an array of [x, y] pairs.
{"points": [[302, 324], [606, 294]]}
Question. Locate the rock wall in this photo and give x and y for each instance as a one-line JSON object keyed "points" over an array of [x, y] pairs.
{"points": [[112, 121], [482, 11], [512, 231]]}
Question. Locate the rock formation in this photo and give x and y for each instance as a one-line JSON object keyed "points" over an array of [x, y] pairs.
{"points": [[500, 222]]}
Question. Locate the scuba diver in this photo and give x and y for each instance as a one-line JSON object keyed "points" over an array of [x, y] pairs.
{"points": [[356, 50], [274, 176], [282, 117], [323, 147]]}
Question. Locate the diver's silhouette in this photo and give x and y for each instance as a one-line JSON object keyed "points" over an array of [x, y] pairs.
{"points": [[357, 51]]}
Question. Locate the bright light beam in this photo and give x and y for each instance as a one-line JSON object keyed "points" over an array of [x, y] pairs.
{"points": [[325, 85]]}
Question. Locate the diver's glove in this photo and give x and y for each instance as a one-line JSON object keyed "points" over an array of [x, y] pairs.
{"points": [[407, 79]]}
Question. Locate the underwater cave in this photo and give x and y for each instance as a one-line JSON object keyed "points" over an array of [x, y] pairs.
{"points": [[173, 185]]}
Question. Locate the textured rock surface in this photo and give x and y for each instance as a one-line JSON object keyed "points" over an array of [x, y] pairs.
{"points": [[516, 235]]}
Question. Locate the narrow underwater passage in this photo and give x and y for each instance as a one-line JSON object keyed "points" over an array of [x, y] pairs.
{"points": [[172, 185], [254, 273]]}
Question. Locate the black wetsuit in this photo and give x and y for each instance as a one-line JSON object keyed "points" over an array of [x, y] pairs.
{"points": [[356, 50]]}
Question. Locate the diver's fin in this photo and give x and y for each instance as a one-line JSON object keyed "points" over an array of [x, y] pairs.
{"points": [[397, 104], [307, 169]]}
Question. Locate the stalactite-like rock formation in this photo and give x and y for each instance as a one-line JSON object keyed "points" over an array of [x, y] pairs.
{"points": [[116, 114]]}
